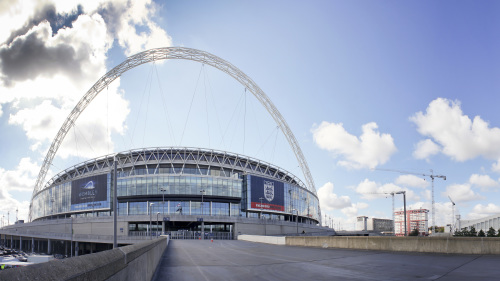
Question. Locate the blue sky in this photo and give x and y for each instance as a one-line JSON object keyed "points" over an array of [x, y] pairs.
{"points": [[364, 85]]}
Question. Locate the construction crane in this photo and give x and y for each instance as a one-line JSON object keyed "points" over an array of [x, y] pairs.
{"points": [[452, 216], [432, 176], [404, 204]]}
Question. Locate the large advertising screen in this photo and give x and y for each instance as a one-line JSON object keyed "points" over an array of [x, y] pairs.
{"points": [[267, 194], [89, 193]]}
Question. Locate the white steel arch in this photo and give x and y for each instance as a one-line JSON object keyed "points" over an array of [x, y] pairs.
{"points": [[165, 54]]}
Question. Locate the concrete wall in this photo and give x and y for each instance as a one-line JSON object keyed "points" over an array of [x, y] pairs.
{"points": [[447, 245], [276, 240], [134, 262]]}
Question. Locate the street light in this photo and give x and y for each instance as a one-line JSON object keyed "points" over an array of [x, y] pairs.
{"points": [[261, 198], [150, 220], [157, 222], [296, 219], [202, 192], [202, 221], [163, 193], [115, 200]]}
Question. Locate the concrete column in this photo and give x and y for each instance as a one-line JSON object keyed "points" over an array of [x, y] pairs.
{"points": [[202, 230], [11, 241], [20, 243], [162, 227], [235, 231], [32, 244], [49, 248], [76, 249], [91, 248]]}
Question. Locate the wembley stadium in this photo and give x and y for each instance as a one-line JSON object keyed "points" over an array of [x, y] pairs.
{"points": [[182, 187], [187, 193]]}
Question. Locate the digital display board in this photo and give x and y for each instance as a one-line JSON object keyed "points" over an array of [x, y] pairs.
{"points": [[269, 192], [89, 193]]}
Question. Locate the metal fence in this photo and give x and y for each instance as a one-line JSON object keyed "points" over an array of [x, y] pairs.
{"points": [[197, 235]]}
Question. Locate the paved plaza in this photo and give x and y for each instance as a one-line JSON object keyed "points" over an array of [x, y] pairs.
{"points": [[240, 260]]}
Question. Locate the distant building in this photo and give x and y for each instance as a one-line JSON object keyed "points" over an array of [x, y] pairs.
{"points": [[415, 219], [480, 224], [374, 224]]}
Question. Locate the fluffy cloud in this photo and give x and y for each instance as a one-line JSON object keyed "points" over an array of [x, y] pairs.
{"points": [[22, 178], [368, 151], [68, 48], [481, 211], [412, 181], [460, 137], [371, 190], [483, 181], [426, 148], [352, 211], [331, 201], [51, 53], [462, 193]]}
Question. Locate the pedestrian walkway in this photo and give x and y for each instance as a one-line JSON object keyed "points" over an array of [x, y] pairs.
{"points": [[240, 260]]}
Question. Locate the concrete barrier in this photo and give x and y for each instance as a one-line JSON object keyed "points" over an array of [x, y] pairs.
{"points": [[276, 240], [446, 245], [134, 262]]}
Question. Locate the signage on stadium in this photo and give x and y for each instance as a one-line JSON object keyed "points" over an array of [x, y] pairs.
{"points": [[267, 194], [89, 193]]}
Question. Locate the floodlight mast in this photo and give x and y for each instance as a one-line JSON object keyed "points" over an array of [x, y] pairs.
{"points": [[432, 176], [167, 53]]}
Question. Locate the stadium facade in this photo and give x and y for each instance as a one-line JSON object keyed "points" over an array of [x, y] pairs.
{"points": [[177, 181], [188, 193]]}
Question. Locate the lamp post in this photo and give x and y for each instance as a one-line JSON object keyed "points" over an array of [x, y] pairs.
{"points": [[150, 220], [157, 222], [115, 199], [202, 193], [296, 219], [202, 212], [163, 209], [163, 193], [261, 198]]}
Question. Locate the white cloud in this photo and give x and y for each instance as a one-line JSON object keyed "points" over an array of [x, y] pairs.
{"points": [[481, 211], [462, 193], [426, 194], [43, 87], [368, 151], [412, 181], [495, 167], [329, 200], [483, 181], [426, 148], [371, 190], [22, 178], [352, 211], [460, 137]]}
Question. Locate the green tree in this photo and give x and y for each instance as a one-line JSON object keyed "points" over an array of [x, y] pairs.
{"points": [[458, 233], [465, 232], [414, 232], [481, 233], [491, 232], [498, 233], [472, 231]]}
